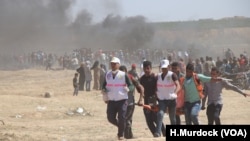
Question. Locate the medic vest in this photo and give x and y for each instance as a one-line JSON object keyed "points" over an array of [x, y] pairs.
{"points": [[165, 87], [115, 86]]}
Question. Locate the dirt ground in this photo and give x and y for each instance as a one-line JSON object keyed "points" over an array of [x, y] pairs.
{"points": [[29, 116]]}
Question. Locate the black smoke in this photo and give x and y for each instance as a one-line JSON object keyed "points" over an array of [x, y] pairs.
{"points": [[116, 32], [31, 25]]}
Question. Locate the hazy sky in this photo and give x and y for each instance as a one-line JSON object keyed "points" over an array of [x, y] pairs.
{"points": [[167, 10]]}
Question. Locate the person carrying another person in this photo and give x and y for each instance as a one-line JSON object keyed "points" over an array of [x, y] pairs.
{"points": [[167, 88], [148, 80], [192, 85], [131, 102], [175, 67]]}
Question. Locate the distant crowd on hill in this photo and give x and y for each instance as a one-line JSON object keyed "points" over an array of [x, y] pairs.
{"points": [[72, 60]]}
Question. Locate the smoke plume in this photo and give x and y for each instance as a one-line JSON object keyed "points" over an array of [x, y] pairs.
{"points": [[47, 25]]}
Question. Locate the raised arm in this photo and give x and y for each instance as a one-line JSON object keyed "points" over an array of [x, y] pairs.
{"points": [[203, 78], [232, 87]]}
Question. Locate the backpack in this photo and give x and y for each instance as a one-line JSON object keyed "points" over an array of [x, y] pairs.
{"points": [[198, 85]]}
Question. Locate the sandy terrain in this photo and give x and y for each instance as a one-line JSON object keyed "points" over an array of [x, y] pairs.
{"points": [[29, 116]]}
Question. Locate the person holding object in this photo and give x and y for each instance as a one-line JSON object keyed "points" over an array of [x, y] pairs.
{"points": [[148, 80], [167, 88], [175, 67], [213, 95], [128, 134], [115, 93], [149, 107]]}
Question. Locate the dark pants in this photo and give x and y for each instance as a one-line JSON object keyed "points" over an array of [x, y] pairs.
{"points": [[48, 67], [88, 85], [102, 79], [179, 112], [213, 114], [81, 85], [114, 109], [151, 120], [178, 119], [128, 134]]}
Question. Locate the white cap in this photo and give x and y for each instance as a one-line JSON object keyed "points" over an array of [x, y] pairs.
{"points": [[164, 63], [115, 60]]}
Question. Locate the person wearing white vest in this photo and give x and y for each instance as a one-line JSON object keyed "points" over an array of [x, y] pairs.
{"points": [[115, 93], [167, 89]]}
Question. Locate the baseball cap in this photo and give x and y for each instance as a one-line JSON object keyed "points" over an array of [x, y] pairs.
{"points": [[164, 63], [115, 60]]}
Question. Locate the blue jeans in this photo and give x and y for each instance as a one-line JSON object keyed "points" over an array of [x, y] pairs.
{"points": [[163, 106], [151, 119], [191, 111]]}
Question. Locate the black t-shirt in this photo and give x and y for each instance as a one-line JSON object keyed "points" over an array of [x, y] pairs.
{"points": [[149, 84]]}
